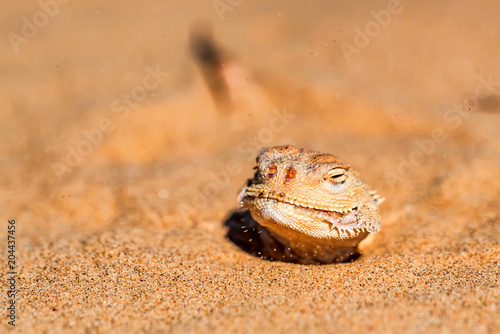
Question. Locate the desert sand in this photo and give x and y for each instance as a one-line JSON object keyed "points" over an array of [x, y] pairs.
{"points": [[119, 169]]}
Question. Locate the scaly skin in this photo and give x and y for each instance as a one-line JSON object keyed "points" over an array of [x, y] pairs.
{"points": [[312, 203]]}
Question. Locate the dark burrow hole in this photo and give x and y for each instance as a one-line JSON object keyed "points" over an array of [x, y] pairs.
{"points": [[258, 241]]}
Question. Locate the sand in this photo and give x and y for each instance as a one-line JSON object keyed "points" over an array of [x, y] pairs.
{"points": [[128, 235]]}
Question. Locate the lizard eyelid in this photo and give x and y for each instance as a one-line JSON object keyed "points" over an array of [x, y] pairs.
{"points": [[336, 175]]}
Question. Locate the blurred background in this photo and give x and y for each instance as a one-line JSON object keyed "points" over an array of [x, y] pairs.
{"points": [[110, 129]]}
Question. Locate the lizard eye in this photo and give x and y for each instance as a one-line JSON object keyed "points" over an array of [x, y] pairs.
{"points": [[271, 171], [336, 175]]}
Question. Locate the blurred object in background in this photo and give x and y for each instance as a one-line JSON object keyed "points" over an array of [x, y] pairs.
{"points": [[211, 60]]}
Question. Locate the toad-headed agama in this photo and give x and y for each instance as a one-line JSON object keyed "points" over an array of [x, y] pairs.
{"points": [[307, 206]]}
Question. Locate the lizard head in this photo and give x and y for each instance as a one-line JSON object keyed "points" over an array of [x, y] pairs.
{"points": [[305, 178], [303, 189]]}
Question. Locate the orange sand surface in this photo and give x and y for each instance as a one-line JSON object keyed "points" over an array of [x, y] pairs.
{"points": [[128, 235]]}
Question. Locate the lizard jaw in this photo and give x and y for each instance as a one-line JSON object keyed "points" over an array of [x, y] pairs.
{"points": [[316, 223], [248, 195]]}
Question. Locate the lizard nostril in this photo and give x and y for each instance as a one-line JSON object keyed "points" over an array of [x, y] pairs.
{"points": [[271, 171], [290, 174]]}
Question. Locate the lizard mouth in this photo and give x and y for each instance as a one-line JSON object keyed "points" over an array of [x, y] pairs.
{"points": [[343, 220], [342, 225], [249, 197]]}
